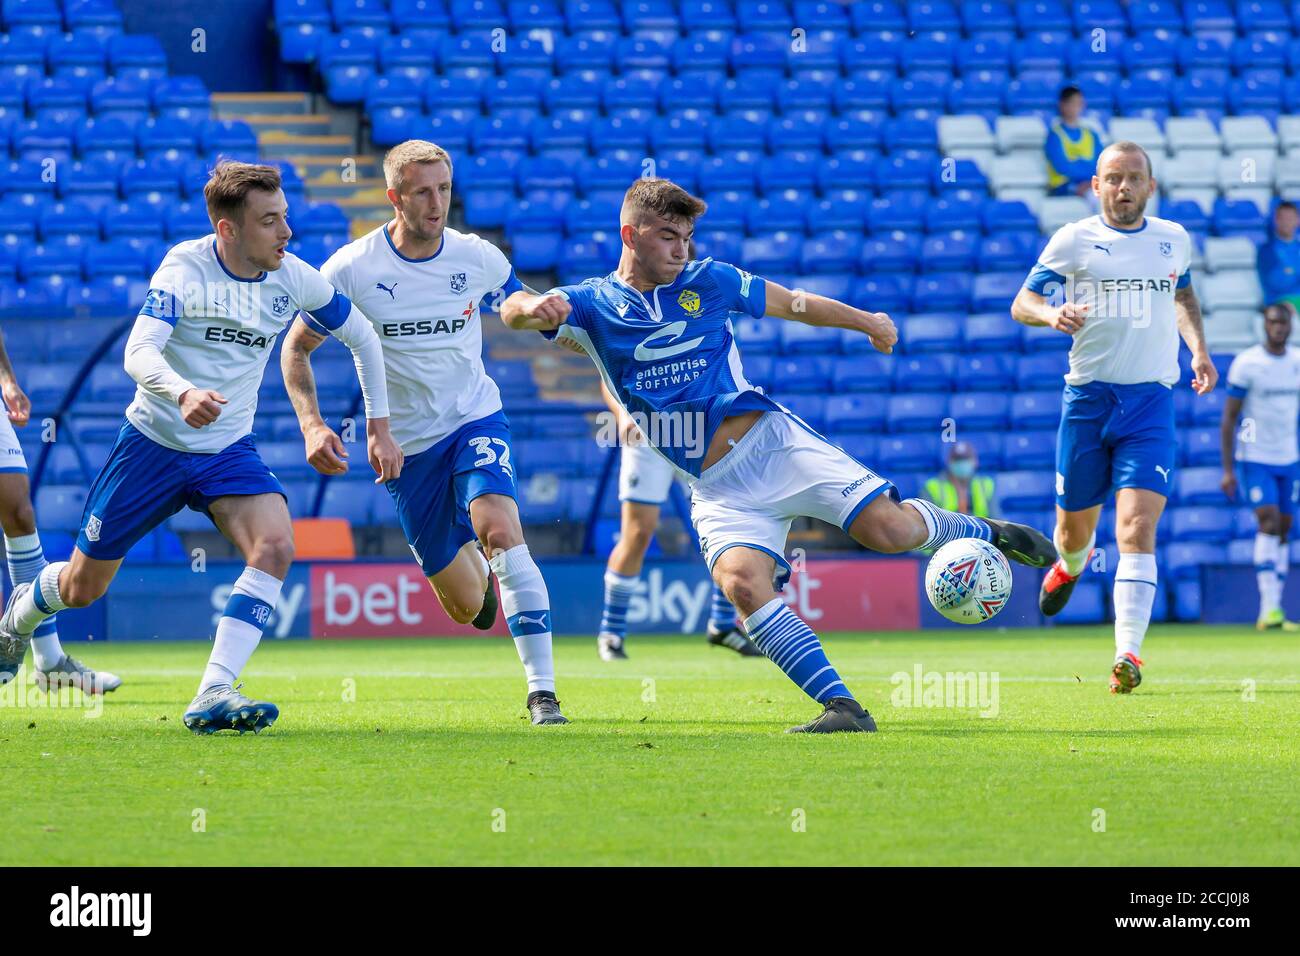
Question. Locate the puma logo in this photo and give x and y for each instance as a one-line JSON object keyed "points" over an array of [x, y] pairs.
{"points": [[525, 619], [1164, 473], [391, 294]]}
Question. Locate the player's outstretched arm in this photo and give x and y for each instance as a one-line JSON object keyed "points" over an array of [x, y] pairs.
{"points": [[812, 309], [1192, 330], [1227, 442], [18, 406], [1032, 308], [325, 450], [527, 309]]}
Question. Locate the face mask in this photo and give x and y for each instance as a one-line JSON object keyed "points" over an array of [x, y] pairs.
{"points": [[963, 468]]}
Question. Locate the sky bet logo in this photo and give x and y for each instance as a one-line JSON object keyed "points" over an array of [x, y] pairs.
{"points": [[74, 909]]}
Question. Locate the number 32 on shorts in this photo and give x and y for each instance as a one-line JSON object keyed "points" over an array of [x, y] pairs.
{"points": [[487, 455]]}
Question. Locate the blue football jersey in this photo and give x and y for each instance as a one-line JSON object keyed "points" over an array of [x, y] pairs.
{"points": [[669, 355]]}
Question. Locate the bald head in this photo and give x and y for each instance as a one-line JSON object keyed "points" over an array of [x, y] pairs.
{"points": [[1123, 183]]}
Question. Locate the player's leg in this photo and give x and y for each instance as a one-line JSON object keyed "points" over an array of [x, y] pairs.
{"points": [[55, 669], [1268, 553], [746, 575], [1142, 472], [639, 519], [259, 527], [1137, 512], [484, 485], [463, 585], [524, 596], [1083, 482], [141, 484], [1284, 565]]}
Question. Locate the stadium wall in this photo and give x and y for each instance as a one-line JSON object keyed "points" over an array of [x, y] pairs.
{"points": [[237, 50]]}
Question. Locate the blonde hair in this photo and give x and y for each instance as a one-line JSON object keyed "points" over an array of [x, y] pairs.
{"points": [[227, 189], [411, 151]]}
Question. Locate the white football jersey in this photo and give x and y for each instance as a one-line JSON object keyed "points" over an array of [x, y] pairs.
{"points": [[1128, 278], [223, 331], [426, 312], [1269, 387]]}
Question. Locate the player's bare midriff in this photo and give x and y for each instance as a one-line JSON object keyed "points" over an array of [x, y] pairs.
{"points": [[732, 429]]}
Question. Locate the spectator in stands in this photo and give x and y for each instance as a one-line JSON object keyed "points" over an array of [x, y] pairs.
{"points": [[1073, 144], [1279, 259], [959, 488]]}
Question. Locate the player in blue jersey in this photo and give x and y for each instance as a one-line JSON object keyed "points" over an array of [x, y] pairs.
{"points": [[1120, 284], [54, 668], [197, 351], [659, 332]]}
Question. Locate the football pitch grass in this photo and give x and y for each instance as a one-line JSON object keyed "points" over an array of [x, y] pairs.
{"points": [[418, 752]]}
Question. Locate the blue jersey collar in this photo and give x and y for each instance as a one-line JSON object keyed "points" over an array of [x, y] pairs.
{"points": [[1127, 232], [259, 278], [388, 237]]}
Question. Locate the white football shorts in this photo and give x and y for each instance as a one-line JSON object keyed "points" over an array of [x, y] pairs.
{"points": [[779, 470], [644, 475], [11, 453]]}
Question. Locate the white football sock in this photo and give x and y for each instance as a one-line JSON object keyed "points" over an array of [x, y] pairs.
{"points": [[240, 628], [42, 600], [26, 560], [1267, 556], [1073, 561], [1135, 593], [527, 607]]}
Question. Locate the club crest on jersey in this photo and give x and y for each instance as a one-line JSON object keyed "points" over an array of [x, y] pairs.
{"points": [[280, 304], [459, 282], [93, 527], [1166, 249], [690, 301]]}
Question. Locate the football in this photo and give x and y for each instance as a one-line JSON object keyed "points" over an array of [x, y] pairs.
{"points": [[968, 581]]}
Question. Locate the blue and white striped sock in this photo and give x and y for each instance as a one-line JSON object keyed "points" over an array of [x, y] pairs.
{"points": [[239, 630], [722, 614], [944, 526], [790, 644], [527, 605], [619, 589], [26, 560]]}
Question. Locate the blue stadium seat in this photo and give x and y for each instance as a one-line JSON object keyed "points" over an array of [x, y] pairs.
{"points": [[894, 252], [59, 507], [926, 373], [182, 98], [1200, 524], [1036, 410], [943, 292], [988, 445], [832, 253], [1200, 447], [930, 333], [1042, 338], [1199, 486], [1003, 216], [908, 452], [804, 375], [855, 413], [861, 447], [136, 56], [799, 339], [1012, 252], [1036, 449], [950, 252], [1044, 371], [810, 408], [1026, 490], [955, 212], [919, 412], [994, 292], [980, 411], [476, 14], [903, 210], [988, 372], [882, 293], [862, 373]]}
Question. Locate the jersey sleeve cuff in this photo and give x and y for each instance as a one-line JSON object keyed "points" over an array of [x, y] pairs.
{"points": [[1236, 391], [162, 305], [1041, 277], [312, 324], [1184, 280]]}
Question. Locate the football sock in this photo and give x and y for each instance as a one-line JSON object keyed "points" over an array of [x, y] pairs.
{"points": [[790, 644], [1135, 593], [1268, 548], [240, 628], [1283, 565], [944, 526], [1073, 561], [528, 614], [722, 613], [619, 589], [42, 601], [26, 559]]}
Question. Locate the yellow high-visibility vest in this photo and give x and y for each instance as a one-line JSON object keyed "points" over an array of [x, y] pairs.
{"points": [[944, 494]]}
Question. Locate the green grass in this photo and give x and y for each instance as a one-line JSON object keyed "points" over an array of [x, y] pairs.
{"points": [[675, 757]]}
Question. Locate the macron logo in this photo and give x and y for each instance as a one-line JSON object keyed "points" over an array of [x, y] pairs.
{"points": [[103, 909], [621, 309], [645, 352]]}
